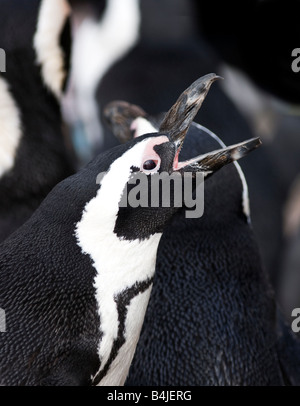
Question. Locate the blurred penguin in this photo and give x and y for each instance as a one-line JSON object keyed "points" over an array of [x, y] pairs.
{"points": [[103, 32], [34, 155]]}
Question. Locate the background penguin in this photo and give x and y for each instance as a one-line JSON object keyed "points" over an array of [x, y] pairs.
{"points": [[103, 32], [33, 152], [76, 277], [212, 317]]}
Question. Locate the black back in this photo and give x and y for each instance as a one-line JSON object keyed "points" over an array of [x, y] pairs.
{"points": [[47, 290]]}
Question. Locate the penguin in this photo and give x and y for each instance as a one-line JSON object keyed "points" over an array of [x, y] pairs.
{"points": [[103, 32], [169, 55], [77, 276], [161, 46], [212, 318], [34, 151]]}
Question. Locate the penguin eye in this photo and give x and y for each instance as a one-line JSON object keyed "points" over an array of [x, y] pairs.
{"points": [[150, 164]]}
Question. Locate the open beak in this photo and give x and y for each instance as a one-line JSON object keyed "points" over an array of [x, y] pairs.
{"points": [[120, 116]]}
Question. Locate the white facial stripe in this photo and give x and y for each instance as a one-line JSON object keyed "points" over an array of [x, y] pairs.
{"points": [[52, 17], [245, 195], [142, 126], [10, 128], [119, 263]]}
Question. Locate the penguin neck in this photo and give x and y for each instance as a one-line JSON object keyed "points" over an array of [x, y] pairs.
{"points": [[124, 274]]}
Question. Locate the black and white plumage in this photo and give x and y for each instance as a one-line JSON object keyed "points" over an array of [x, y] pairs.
{"points": [[212, 318], [156, 70], [33, 154], [76, 278]]}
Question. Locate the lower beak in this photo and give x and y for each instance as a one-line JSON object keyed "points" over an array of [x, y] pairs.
{"points": [[213, 161]]}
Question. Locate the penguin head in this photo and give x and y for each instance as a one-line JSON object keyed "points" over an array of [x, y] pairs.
{"points": [[152, 157]]}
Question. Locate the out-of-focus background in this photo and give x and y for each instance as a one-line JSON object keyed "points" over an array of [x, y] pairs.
{"points": [[148, 51]]}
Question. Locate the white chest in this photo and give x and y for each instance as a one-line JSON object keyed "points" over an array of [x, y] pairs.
{"points": [[123, 284]]}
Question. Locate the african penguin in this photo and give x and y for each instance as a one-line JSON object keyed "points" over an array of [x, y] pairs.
{"points": [[33, 152], [212, 318], [171, 54], [77, 276]]}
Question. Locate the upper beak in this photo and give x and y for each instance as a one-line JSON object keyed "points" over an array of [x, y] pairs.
{"points": [[214, 160], [179, 118]]}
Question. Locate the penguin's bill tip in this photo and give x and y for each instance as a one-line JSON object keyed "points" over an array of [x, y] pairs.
{"points": [[214, 160], [180, 116]]}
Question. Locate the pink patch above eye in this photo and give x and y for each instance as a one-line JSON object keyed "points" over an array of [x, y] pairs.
{"points": [[150, 154]]}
